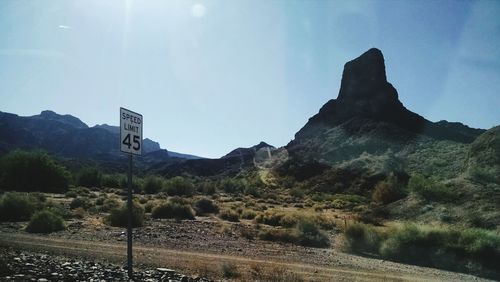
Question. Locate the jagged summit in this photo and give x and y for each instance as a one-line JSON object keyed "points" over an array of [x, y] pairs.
{"points": [[367, 108], [364, 74]]}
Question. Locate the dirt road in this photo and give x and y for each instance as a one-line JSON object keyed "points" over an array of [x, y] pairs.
{"points": [[208, 264]]}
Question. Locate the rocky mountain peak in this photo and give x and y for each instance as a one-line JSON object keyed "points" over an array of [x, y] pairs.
{"points": [[364, 79], [66, 119]]}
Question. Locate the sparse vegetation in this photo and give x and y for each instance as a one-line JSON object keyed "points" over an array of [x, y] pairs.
{"points": [[45, 221]]}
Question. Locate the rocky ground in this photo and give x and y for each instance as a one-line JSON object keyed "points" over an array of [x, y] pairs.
{"points": [[18, 265]]}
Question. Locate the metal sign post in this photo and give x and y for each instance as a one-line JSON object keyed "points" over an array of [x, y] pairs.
{"points": [[130, 143]]}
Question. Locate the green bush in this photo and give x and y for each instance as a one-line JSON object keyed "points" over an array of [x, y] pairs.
{"points": [[362, 238], [172, 209], [119, 216], [152, 184], [229, 215], [179, 186], [32, 171], [470, 250], [208, 187], [112, 180], [205, 206], [45, 221], [89, 177], [430, 189], [485, 175], [232, 185], [15, 206]]}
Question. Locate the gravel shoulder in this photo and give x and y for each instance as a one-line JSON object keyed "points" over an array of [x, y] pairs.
{"points": [[196, 248]]}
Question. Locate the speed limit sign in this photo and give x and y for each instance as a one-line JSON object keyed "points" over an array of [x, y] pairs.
{"points": [[130, 132]]}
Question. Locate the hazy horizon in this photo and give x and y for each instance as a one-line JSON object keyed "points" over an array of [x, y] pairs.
{"points": [[210, 76]]}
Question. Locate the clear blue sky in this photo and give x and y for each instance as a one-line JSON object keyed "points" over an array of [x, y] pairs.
{"points": [[209, 76]]}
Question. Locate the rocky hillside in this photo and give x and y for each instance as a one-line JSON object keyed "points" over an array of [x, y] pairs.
{"points": [[69, 137], [367, 116]]}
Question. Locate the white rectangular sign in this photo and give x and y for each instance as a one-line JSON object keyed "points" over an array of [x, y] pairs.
{"points": [[130, 132]]}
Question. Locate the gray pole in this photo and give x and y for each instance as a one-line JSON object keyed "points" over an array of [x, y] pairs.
{"points": [[130, 217]]}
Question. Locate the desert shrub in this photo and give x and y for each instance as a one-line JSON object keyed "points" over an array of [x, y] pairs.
{"points": [[89, 177], [305, 233], [297, 192], [248, 214], [32, 171], [15, 206], [230, 270], [208, 187], [270, 218], [346, 201], [112, 180], [485, 175], [229, 215], [45, 221], [288, 220], [79, 213], [150, 205], [80, 202], [309, 234], [71, 194], [274, 274], [430, 189], [152, 184], [458, 249], [137, 184], [278, 235], [171, 209], [100, 200], [109, 204], [119, 216], [387, 191], [362, 238], [232, 185], [179, 186], [252, 190], [204, 206]]}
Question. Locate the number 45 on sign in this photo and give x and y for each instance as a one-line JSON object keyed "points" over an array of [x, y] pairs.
{"points": [[130, 132]]}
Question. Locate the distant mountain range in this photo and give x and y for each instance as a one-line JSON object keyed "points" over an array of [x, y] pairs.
{"points": [[69, 137]]}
